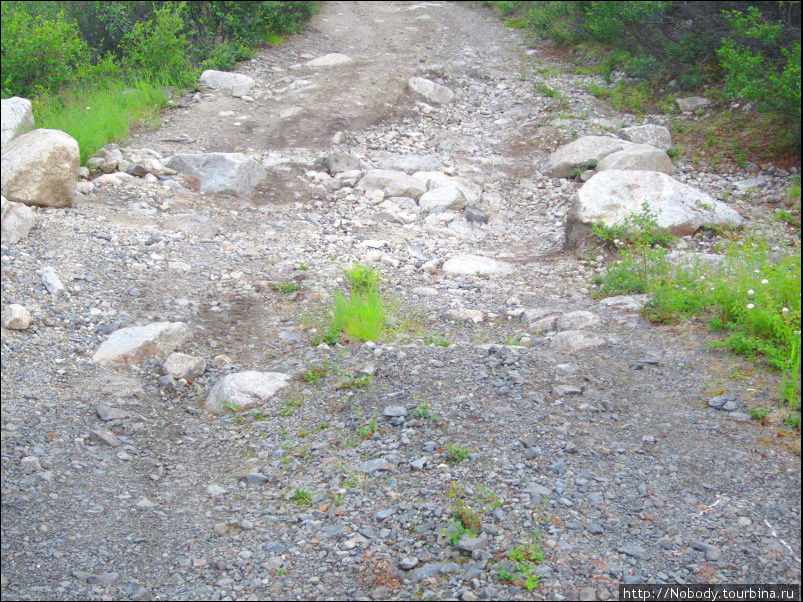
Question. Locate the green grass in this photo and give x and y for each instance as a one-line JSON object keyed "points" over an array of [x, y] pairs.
{"points": [[100, 112], [523, 560], [455, 453], [361, 313], [316, 373], [752, 298], [285, 288]]}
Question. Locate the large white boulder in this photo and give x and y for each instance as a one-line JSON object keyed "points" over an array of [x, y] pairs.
{"points": [[224, 173], [476, 264], [656, 136], [638, 156], [580, 154], [135, 344], [237, 84], [434, 93], [17, 221], [17, 118], [40, 167], [392, 183], [243, 389], [610, 196]]}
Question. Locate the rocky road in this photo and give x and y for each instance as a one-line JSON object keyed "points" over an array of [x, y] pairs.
{"points": [[505, 394]]}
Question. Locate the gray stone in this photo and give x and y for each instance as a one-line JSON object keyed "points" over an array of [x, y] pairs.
{"points": [[52, 282], [656, 136], [392, 183], [635, 551], [394, 411], [595, 528], [577, 320], [242, 390], [189, 223], [475, 215], [39, 168], [105, 437], [580, 154], [610, 196], [181, 365], [339, 162], [476, 264], [438, 179], [389, 211], [16, 317], [17, 118], [108, 413], [433, 569], [17, 221], [332, 59], [743, 185], [570, 341], [442, 199], [692, 103], [638, 157], [718, 402], [408, 563], [224, 173], [409, 164], [371, 466], [135, 344], [434, 93], [419, 463], [237, 84]]}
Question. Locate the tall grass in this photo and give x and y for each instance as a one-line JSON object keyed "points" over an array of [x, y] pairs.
{"points": [[96, 113]]}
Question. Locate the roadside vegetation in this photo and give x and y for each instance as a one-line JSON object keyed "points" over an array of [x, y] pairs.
{"points": [[744, 57], [96, 69], [751, 297]]}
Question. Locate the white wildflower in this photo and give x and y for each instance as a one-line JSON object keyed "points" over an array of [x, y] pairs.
{"points": [[750, 305]]}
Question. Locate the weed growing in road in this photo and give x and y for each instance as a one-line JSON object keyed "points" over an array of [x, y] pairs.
{"points": [[356, 382], [423, 410], [301, 497], [316, 373], [436, 339], [366, 431], [285, 288], [361, 313], [519, 568], [455, 453]]}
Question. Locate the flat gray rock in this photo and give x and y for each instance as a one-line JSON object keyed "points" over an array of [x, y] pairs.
{"points": [[392, 183], [137, 343], [432, 92], [576, 340], [220, 173], [476, 264]]}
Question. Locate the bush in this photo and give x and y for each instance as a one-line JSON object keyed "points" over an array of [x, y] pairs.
{"points": [[39, 53], [759, 67], [157, 48]]}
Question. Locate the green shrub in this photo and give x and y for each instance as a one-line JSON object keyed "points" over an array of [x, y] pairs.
{"points": [[753, 298], [39, 53], [158, 48], [759, 67]]}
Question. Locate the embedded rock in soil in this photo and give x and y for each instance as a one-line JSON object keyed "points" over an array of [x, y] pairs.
{"points": [[17, 221], [476, 264], [225, 173], [236, 84], [392, 183], [243, 389], [134, 344], [329, 60], [434, 93]]}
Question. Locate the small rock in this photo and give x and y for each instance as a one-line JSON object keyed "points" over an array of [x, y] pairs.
{"points": [[52, 282], [16, 317]]}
